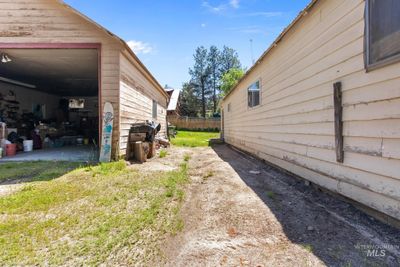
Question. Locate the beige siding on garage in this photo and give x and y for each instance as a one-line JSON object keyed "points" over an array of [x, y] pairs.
{"points": [[46, 21], [137, 95], [294, 125]]}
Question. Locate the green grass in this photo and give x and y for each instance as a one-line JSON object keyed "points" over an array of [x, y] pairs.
{"points": [[210, 130], [270, 194], [193, 139], [208, 175], [35, 171], [308, 247], [163, 153], [92, 215], [186, 157]]}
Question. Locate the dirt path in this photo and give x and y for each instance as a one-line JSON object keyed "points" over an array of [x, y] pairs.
{"points": [[242, 212]]}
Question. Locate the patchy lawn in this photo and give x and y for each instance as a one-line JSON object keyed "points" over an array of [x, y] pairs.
{"points": [[193, 139], [238, 211], [106, 214], [35, 171]]}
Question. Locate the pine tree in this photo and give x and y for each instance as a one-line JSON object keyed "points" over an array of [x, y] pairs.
{"points": [[214, 59], [206, 76], [229, 60], [188, 101], [200, 77]]}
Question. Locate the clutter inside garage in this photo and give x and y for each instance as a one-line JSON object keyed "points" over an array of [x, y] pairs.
{"points": [[49, 104]]}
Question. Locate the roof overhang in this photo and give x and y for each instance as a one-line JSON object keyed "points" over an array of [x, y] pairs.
{"points": [[303, 13], [173, 102], [143, 68]]}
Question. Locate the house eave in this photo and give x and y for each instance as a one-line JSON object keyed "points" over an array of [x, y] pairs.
{"points": [[303, 13]]}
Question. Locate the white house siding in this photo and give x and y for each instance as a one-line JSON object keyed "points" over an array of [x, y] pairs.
{"points": [[137, 94], [294, 125]]}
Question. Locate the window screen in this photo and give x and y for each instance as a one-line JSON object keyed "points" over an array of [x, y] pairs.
{"points": [[254, 94], [383, 31], [154, 109]]}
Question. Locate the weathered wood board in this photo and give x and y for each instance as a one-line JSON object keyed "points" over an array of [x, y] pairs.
{"points": [[107, 131]]}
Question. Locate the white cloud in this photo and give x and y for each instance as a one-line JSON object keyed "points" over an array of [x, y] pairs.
{"points": [[231, 4], [263, 14], [234, 3], [203, 25], [140, 47], [214, 9], [224, 7]]}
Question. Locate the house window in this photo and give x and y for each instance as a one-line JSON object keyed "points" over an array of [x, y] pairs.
{"points": [[254, 94], [229, 107], [382, 32], [154, 109]]}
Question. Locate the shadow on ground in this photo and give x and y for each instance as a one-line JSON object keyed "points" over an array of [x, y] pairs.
{"points": [[25, 172], [333, 230]]}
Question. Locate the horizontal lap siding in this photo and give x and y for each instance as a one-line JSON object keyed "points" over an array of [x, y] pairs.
{"points": [[294, 125], [137, 95], [46, 21]]}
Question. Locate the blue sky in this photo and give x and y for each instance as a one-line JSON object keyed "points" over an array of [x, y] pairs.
{"points": [[165, 33]]}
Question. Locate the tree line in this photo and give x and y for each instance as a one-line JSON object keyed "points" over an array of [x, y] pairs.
{"points": [[213, 74]]}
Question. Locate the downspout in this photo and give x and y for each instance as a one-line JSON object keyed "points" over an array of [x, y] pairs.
{"points": [[222, 124]]}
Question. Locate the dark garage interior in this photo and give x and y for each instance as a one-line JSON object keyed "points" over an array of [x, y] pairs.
{"points": [[49, 104]]}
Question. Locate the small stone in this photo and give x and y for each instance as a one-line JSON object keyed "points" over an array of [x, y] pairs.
{"points": [[254, 172], [232, 232], [307, 183], [390, 260], [310, 228]]}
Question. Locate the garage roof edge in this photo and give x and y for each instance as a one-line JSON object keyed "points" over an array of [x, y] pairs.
{"points": [[126, 46]]}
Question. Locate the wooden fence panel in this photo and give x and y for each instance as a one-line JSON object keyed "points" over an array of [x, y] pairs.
{"points": [[195, 123]]}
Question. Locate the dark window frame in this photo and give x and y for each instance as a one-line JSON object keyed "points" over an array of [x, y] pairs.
{"points": [[367, 55], [250, 106]]}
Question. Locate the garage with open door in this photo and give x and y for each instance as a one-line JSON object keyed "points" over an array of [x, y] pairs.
{"points": [[61, 77], [49, 103]]}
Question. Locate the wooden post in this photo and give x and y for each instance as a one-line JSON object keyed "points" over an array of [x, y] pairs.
{"points": [[337, 100], [129, 150], [152, 150], [140, 154]]}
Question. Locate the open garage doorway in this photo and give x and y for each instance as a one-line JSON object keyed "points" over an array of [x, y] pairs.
{"points": [[49, 103]]}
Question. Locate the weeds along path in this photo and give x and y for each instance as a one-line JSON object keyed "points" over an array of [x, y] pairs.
{"points": [[239, 211], [107, 214]]}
